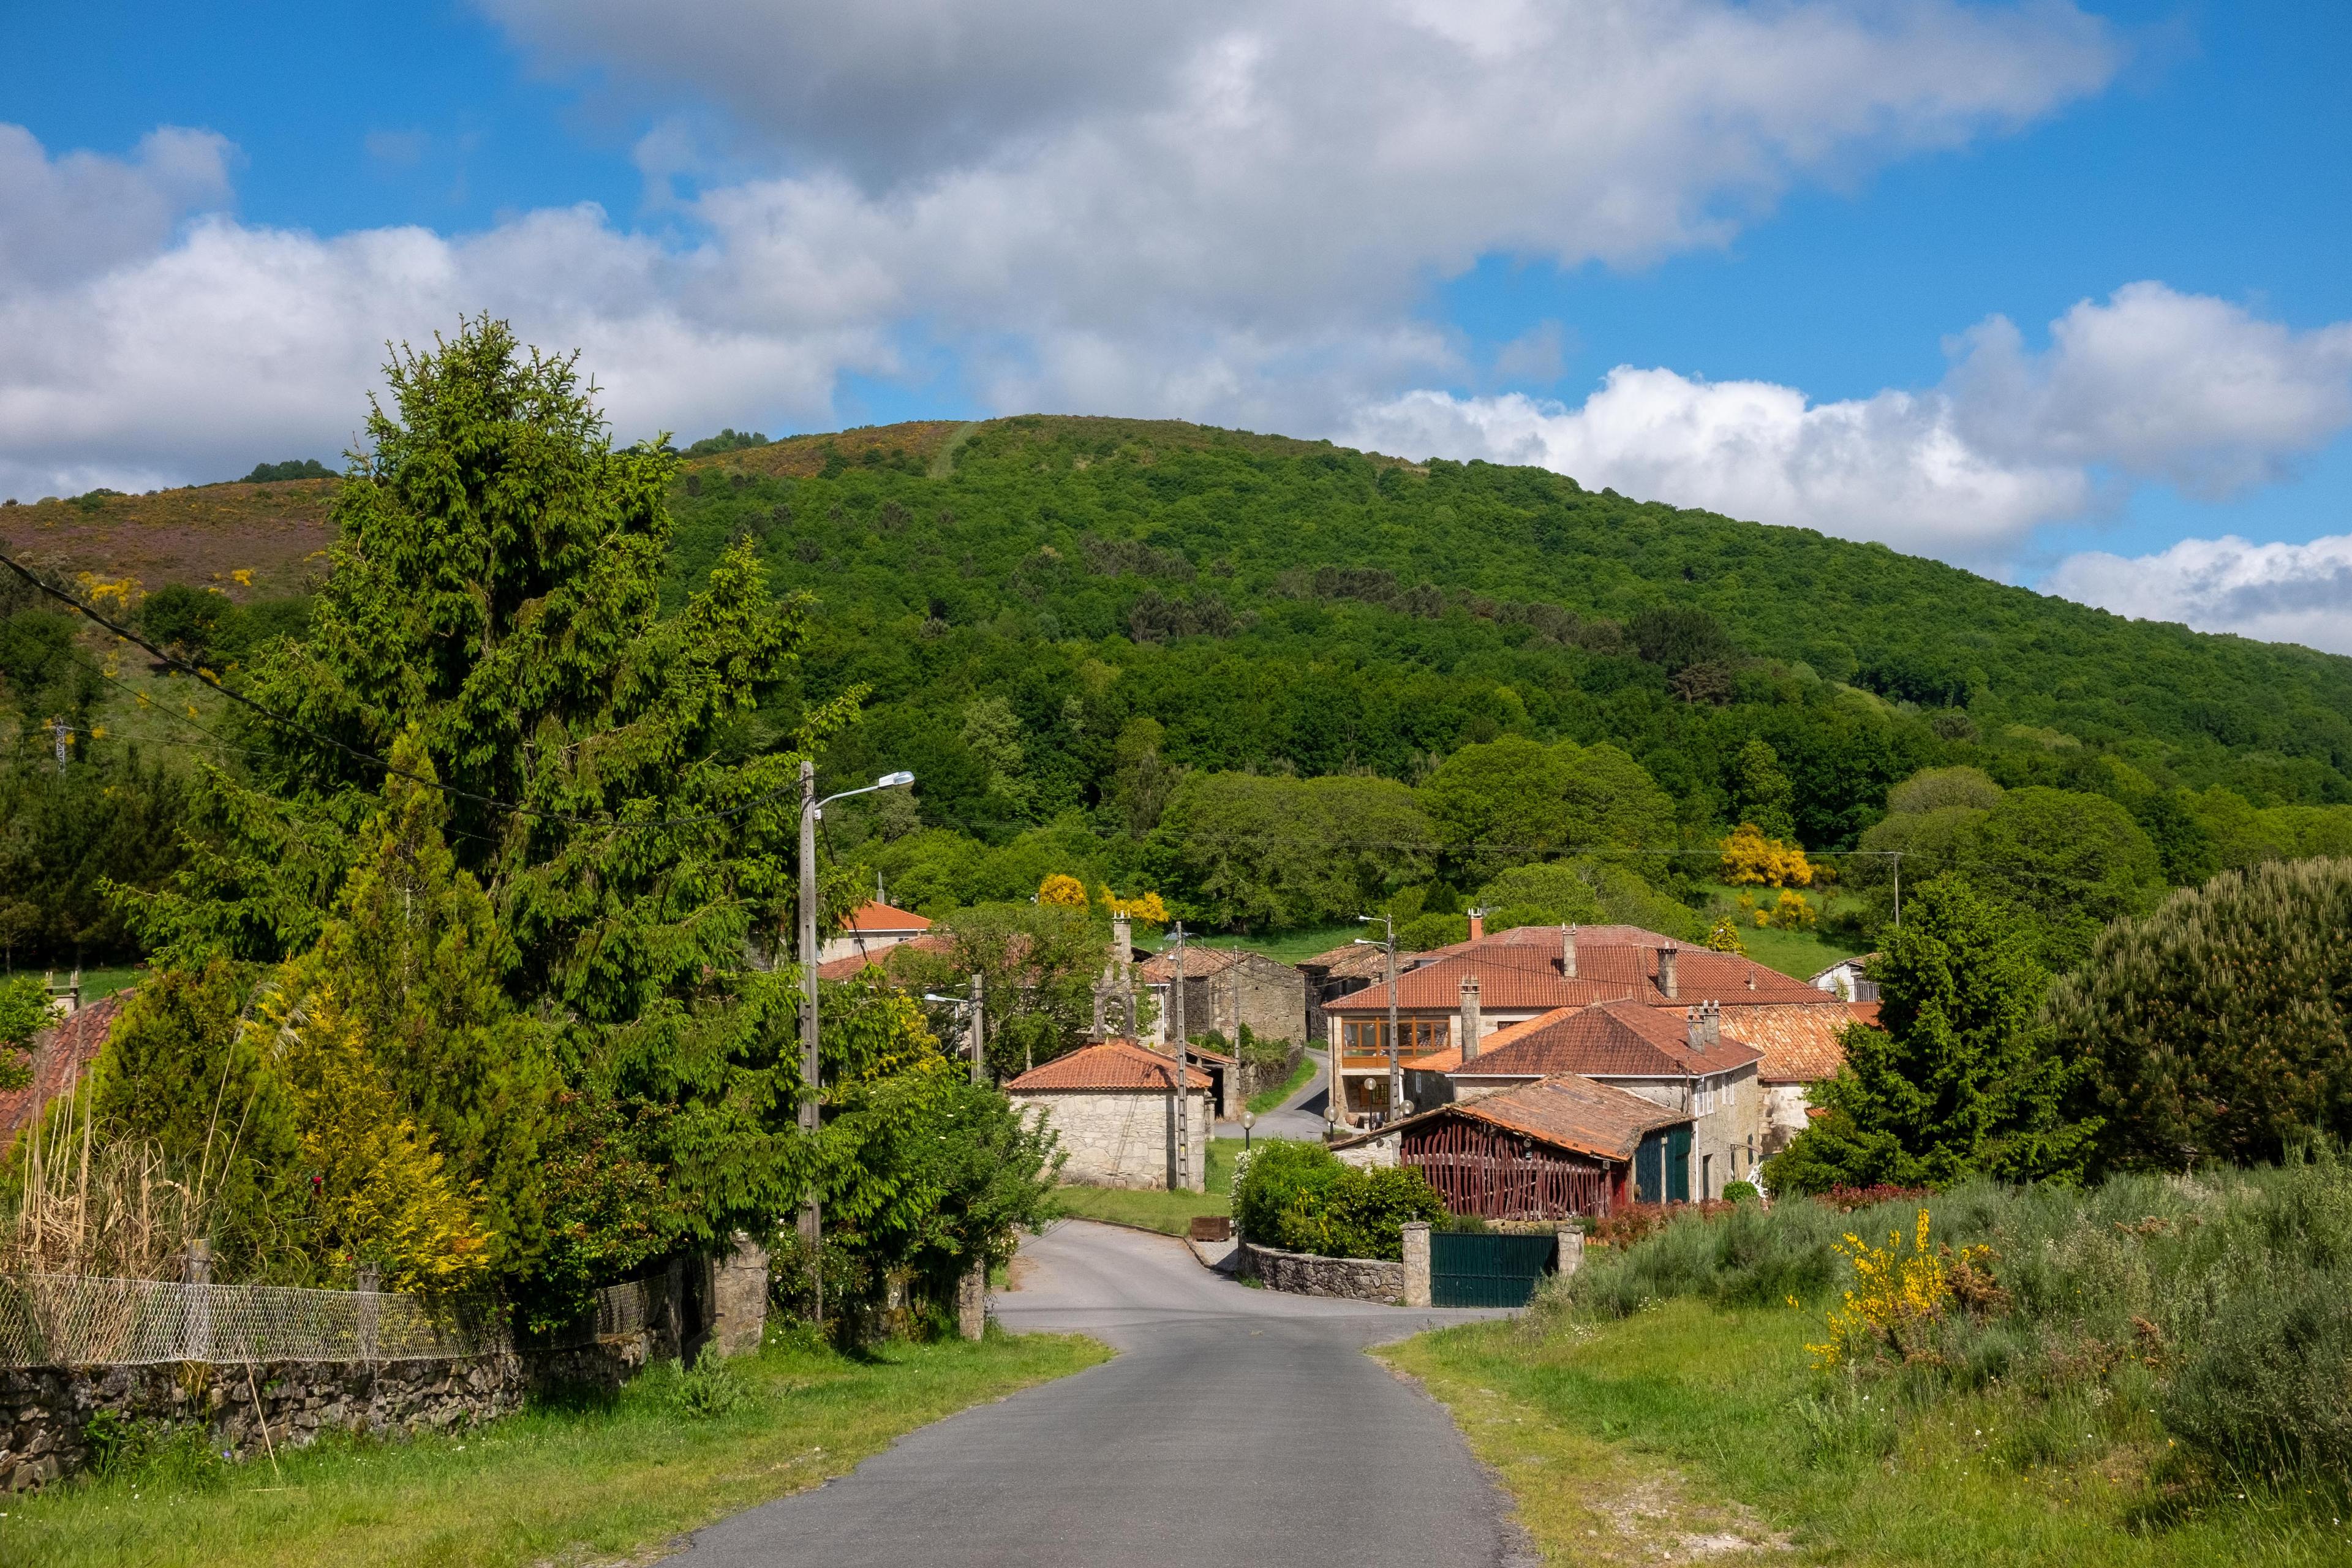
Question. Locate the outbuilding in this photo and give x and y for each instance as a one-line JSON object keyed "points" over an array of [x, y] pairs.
{"points": [[1112, 1106]]}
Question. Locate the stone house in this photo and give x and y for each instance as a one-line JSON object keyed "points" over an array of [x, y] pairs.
{"points": [[1555, 1149], [1342, 972], [872, 930], [1112, 1106], [1687, 1064], [1476, 988], [1224, 988]]}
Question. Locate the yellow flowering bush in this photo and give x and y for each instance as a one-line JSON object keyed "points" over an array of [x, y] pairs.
{"points": [[1752, 861], [1068, 892], [1897, 1296], [1147, 908]]}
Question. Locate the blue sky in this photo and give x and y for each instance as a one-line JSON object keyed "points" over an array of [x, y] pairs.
{"points": [[1799, 262]]}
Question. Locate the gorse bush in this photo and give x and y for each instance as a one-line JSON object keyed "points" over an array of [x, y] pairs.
{"points": [[1300, 1198], [2219, 1305]]}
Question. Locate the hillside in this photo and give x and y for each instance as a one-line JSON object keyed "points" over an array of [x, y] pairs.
{"points": [[1057, 618], [1278, 605]]}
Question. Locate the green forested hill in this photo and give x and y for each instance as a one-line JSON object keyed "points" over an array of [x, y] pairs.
{"points": [[1277, 606]]}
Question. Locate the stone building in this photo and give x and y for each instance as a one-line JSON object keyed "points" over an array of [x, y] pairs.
{"points": [[1113, 1108], [1225, 987]]}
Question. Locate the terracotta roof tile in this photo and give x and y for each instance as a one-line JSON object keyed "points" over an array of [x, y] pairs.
{"points": [[1612, 1039], [849, 967], [1522, 975], [1800, 1044], [1566, 1111], [1199, 962], [1110, 1067], [61, 1054], [1350, 963], [874, 915], [1450, 1057]]}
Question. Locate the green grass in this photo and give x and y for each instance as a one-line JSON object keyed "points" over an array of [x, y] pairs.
{"points": [[1171, 1212], [1624, 1441], [1800, 953], [1266, 1099], [587, 1483]]}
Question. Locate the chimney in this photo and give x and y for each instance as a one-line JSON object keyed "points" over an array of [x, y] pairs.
{"points": [[1568, 953], [1666, 971], [1470, 1021], [1477, 924], [1694, 1028], [1713, 1024]]}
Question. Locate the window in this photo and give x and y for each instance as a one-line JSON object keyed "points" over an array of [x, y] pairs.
{"points": [[1415, 1036], [1705, 1176]]}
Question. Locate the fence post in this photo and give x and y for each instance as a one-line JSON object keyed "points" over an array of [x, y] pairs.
{"points": [[1416, 1263], [1571, 1250], [371, 1281], [196, 1268], [971, 1302]]}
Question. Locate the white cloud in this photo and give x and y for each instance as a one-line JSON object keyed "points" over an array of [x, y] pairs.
{"points": [[1216, 212], [67, 217], [2151, 385], [2278, 593]]}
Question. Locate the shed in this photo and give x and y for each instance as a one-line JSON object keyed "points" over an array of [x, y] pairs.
{"points": [[1551, 1150], [1112, 1106]]}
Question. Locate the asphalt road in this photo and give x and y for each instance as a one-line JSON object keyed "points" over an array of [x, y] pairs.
{"points": [[1300, 1116], [1234, 1426]]}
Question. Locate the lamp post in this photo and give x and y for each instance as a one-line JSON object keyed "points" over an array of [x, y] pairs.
{"points": [[812, 808], [975, 1020], [1183, 1121], [1387, 944]]}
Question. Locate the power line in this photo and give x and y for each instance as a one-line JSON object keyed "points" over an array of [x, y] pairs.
{"points": [[208, 678]]}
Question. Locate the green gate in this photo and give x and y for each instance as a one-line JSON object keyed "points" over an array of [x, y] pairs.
{"points": [[1466, 1269]]}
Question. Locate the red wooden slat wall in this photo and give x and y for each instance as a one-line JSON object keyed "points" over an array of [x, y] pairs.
{"points": [[1482, 1170]]}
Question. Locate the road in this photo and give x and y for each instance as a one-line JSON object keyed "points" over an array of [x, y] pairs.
{"points": [[1299, 1116], [1236, 1427]]}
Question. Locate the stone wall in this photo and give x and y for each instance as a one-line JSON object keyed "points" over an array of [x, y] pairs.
{"points": [[1305, 1273], [1255, 1082], [45, 1411], [1124, 1140]]}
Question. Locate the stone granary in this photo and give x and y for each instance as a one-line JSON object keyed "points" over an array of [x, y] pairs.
{"points": [[1112, 1106]]}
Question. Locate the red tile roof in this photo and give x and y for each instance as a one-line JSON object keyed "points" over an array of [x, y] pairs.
{"points": [[1516, 977], [61, 1054], [1549, 939], [1612, 1039], [1800, 1045], [1565, 1111], [877, 916], [1352, 963], [1112, 1067]]}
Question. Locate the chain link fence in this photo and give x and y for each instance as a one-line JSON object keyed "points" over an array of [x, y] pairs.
{"points": [[57, 1320]]}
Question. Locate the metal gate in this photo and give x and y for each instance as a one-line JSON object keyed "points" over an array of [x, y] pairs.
{"points": [[1467, 1269]]}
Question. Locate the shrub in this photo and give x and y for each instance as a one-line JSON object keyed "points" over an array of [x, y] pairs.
{"points": [[1301, 1198], [174, 1454], [708, 1390], [1740, 1193]]}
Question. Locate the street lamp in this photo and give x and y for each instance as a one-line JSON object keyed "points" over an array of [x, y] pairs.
{"points": [[811, 809], [1387, 944], [978, 1018]]}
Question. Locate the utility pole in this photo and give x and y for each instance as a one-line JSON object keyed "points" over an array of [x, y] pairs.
{"points": [[978, 1023], [1898, 890], [812, 1227], [811, 1223], [59, 730], [1183, 1122]]}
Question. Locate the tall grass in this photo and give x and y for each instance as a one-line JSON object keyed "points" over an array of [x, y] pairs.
{"points": [[2219, 1305]]}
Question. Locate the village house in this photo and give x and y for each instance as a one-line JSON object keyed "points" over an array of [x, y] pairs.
{"points": [[1846, 978], [1112, 1106], [1474, 988], [1556, 1149], [61, 1054], [871, 930], [1342, 972]]}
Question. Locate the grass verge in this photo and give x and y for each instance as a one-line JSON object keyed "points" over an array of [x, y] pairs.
{"points": [[1693, 1431], [1266, 1099], [556, 1484], [1170, 1213]]}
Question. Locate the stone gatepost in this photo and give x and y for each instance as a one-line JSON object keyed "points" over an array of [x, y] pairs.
{"points": [[1416, 1264], [739, 1298], [1571, 1250], [971, 1302]]}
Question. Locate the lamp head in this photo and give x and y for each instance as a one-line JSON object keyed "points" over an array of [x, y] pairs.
{"points": [[891, 781]]}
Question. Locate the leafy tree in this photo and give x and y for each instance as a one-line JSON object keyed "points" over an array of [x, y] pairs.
{"points": [[180, 1067], [1038, 966], [186, 620], [1511, 800], [1943, 789], [1960, 1081], [42, 676], [414, 958], [110, 819], [379, 1193], [2071, 862], [292, 469], [496, 596], [24, 1012], [1243, 852], [728, 440], [2216, 1026], [1761, 792], [1582, 892]]}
